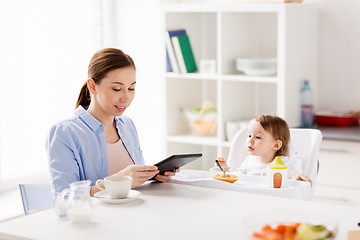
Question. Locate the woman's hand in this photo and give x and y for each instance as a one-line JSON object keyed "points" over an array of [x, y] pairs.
{"points": [[166, 176], [304, 178], [139, 173]]}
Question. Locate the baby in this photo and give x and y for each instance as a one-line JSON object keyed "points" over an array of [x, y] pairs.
{"points": [[268, 137]]}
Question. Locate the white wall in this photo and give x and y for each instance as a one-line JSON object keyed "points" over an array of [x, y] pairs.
{"points": [[339, 54], [138, 33]]}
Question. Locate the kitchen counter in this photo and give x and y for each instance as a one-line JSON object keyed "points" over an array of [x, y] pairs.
{"points": [[351, 133]]}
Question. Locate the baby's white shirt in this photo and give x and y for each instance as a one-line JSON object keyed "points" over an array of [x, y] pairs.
{"points": [[253, 166]]}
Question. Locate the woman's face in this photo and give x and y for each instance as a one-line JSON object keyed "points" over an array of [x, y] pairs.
{"points": [[260, 142], [116, 91]]}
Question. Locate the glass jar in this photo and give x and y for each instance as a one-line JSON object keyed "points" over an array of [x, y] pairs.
{"points": [[78, 204]]}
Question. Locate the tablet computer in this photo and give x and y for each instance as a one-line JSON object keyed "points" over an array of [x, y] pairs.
{"points": [[176, 161]]}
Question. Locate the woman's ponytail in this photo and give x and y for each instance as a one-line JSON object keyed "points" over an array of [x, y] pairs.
{"points": [[84, 97]]}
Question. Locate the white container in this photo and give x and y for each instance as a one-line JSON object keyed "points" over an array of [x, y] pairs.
{"points": [[277, 178], [277, 174], [257, 66], [208, 66], [203, 125]]}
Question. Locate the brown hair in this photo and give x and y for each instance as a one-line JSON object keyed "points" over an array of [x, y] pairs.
{"points": [[278, 128], [102, 62]]}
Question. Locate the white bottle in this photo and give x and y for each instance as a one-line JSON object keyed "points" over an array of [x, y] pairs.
{"points": [[306, 101]]}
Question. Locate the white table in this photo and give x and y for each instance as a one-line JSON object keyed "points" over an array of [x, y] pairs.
{"points": [[174, 211]]}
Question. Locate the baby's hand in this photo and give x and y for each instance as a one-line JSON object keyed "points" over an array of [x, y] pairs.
{"points": [[221, 161], [304, 178]]}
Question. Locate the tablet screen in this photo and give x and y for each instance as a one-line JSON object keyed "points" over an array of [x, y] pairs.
{"points": [[176, 161]]}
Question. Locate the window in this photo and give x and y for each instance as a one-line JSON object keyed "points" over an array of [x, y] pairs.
{"points": [[45, 47]]}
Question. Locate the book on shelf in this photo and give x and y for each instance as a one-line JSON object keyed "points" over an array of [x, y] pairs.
{"points": [[172, 65], [168, 62], [184, 54], [178, 54]]}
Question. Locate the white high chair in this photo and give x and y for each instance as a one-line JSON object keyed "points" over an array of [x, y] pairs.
{"points": [[304, 145]]}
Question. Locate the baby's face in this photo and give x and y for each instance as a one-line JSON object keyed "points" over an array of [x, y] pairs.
{"points": [[260, 142]]}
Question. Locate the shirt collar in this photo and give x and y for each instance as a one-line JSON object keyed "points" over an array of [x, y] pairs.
{"points": [[92, 122], [119, 120]]}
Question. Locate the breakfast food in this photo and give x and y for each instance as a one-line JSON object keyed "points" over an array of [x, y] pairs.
{"points": [[226, 177], [296, 231]]}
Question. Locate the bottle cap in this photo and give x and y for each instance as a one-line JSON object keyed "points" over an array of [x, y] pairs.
{"points": [[277, 164]]}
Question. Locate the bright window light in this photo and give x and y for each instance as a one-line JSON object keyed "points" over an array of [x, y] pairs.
{"points": [[45, 47]]}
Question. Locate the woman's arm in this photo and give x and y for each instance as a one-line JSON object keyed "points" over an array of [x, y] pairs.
{"points": [[63, 165]]}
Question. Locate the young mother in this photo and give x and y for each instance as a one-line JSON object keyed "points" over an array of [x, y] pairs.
{"points": [[99, 140]]}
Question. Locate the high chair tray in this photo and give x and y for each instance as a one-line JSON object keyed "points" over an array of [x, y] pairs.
{"points": [[250, 184]]}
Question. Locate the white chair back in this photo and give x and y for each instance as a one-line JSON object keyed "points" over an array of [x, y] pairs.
{"points": [[238, 152], [36, 196], [305, 145]]}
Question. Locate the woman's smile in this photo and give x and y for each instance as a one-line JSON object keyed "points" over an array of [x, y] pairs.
{"points": [[120, 109]]}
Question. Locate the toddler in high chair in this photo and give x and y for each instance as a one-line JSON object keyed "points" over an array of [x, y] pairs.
{"points": [[268, 137]]}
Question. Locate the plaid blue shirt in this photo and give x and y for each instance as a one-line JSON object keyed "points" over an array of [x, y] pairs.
{"points": [[76, 148]]}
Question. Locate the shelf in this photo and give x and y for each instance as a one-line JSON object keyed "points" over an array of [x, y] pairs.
{"points": [[227, 77], [227, 7], [226, 31], [199, 140], [192, 139], [198, 76], [244, 78]]}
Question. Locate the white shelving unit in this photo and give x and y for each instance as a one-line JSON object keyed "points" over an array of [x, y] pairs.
{"points": [[225, 32]]}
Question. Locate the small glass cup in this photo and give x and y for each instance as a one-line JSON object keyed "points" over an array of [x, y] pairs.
{"points": [[60, 205]]}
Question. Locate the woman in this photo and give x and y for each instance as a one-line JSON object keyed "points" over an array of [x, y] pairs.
{"points": [[99, 140]]}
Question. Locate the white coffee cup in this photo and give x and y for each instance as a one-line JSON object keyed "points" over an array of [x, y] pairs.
{"points": [[116, 186]]}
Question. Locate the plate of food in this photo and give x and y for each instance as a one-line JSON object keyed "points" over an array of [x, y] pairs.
{"points": [[289, 225]]}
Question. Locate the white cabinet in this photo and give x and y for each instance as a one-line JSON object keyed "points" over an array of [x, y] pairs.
{"points": [[339, 172], [224, 32]]}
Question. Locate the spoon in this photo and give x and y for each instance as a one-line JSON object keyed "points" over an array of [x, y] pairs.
{"points": [[217, 163]]}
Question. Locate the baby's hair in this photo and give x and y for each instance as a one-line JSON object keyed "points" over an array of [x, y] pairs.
{"points": [[278, 128]]}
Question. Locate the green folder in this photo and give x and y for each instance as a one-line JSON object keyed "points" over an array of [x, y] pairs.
{"points": [[187, 53]]}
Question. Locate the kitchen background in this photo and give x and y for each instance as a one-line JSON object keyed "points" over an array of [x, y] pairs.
{"points": [[339, 54], [41, 51]]}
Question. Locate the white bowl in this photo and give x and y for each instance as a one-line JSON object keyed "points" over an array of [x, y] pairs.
{"points": [[203, 125], [257, 66]]}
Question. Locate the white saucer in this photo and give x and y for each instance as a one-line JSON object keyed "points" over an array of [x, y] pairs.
{"points": [[104, 197]]}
